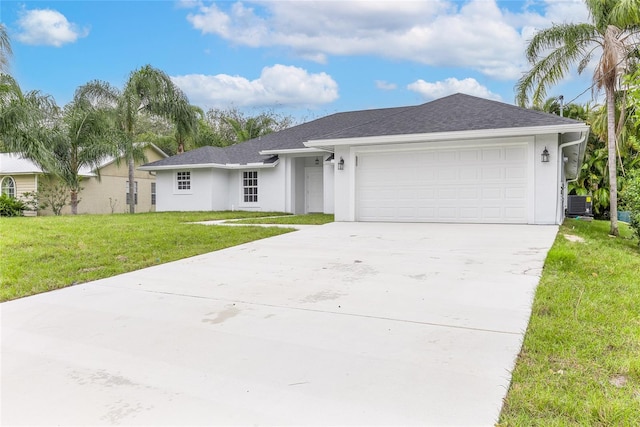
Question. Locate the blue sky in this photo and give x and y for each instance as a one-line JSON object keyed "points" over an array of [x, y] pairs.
{"points": [[304, 58]]}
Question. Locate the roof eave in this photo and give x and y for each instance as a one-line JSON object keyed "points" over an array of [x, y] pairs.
{"points": [[447, 136], [291, 151], [228, 166]]}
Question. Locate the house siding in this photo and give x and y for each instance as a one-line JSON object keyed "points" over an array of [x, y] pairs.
{"points": [[24, 184]]}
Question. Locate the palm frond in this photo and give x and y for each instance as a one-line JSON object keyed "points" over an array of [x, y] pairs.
{"points": [[5, 48]]}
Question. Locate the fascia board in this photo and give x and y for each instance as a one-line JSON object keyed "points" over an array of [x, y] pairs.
{"points": [[14, 173], [446, 136], [211, 165], [291, 151]]}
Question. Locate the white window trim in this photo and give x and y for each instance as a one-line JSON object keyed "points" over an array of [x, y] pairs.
{"points": [[154, 194], [241, 178], [175, 182], [14, 186], [135, 193]]}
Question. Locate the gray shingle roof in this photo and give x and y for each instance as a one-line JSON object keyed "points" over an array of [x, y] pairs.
{"points": [[453, 113]]}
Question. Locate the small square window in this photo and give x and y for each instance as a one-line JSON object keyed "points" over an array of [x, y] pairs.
{"points": [[183, 181]]}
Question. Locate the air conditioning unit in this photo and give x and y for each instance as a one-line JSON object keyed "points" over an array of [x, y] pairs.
{"points": [[579, 206]]}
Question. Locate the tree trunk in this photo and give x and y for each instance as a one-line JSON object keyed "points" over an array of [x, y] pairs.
{"points": [[74, 202], [132, 186], [613, 172]]}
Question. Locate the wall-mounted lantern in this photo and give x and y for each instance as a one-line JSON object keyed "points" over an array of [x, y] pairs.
{"points": [[341, 164], [545, 155], [317, 161]]}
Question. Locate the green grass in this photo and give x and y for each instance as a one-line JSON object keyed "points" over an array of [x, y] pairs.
{"points": [[308, 219], [580, 361], [45, 253]]}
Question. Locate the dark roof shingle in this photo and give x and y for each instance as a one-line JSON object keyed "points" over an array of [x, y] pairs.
{"points": [[453, 113]]}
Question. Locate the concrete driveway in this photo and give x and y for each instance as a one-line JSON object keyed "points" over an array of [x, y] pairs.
{"points": [[347, 323]]}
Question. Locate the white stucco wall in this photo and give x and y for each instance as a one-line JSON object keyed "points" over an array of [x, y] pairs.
{"points": [[209, 191], [271, 190], [328, 186], [546, 188], [280, 188], [344, 186]]}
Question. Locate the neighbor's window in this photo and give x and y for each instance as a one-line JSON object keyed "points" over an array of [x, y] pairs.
{"points": [[153, 193], [250, 186], [135, 193], [183, 181], [9, 186]]}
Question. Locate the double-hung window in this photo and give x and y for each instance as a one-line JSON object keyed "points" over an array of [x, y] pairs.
{"points": [[135, 193], [250, 186], [153, 193]]}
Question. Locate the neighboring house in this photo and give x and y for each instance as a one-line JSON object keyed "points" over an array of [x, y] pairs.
{"points": [[109, 194], [456, 159]]}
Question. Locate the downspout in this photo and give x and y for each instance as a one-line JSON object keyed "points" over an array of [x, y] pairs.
{"points": [[583, 137]]}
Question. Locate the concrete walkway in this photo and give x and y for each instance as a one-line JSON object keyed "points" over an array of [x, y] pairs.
{"points": [[341, 324]]}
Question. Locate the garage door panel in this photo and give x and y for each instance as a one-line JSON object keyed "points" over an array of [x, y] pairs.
{"points": [[515, 173], [470, 174], [463, 185], [491, 154], [469, 213], [492, 173], [514, 193], [446, 156], [516, 154]]}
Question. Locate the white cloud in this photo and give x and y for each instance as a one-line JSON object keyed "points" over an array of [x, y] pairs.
{"points": [[47, 27], [383, 85], [475, 34], [280, 84], [450, 86]]}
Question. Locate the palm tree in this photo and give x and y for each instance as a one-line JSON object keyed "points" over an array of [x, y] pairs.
{"points": [[5, 48], [60, 142], [147, 91], [612, 33], [251, 127], [27, 121], [84, 138], [187, 122]]}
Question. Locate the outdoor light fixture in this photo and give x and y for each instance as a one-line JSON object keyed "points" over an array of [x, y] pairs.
{"points": [[341, 164], [545, 155], [317, 161]]}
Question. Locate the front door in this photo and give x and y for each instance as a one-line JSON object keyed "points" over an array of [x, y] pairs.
{"points": [[313, 190]]}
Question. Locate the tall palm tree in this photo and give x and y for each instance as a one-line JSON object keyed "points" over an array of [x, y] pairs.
{"points": [[613, 35], [5, 48], [148, 90]]}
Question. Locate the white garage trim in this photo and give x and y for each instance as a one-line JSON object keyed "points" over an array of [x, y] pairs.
{"points": [[465, 182]]}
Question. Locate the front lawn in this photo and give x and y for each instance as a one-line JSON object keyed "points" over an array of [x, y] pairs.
{"points": [[45, 253], [580, 362]]}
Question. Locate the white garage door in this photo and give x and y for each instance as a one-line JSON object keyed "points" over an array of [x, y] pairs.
{"points": [[480, 184]]}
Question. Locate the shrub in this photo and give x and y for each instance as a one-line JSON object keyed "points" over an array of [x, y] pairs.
{"points": [[10, 206], [631, 199], [52, 194]]}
